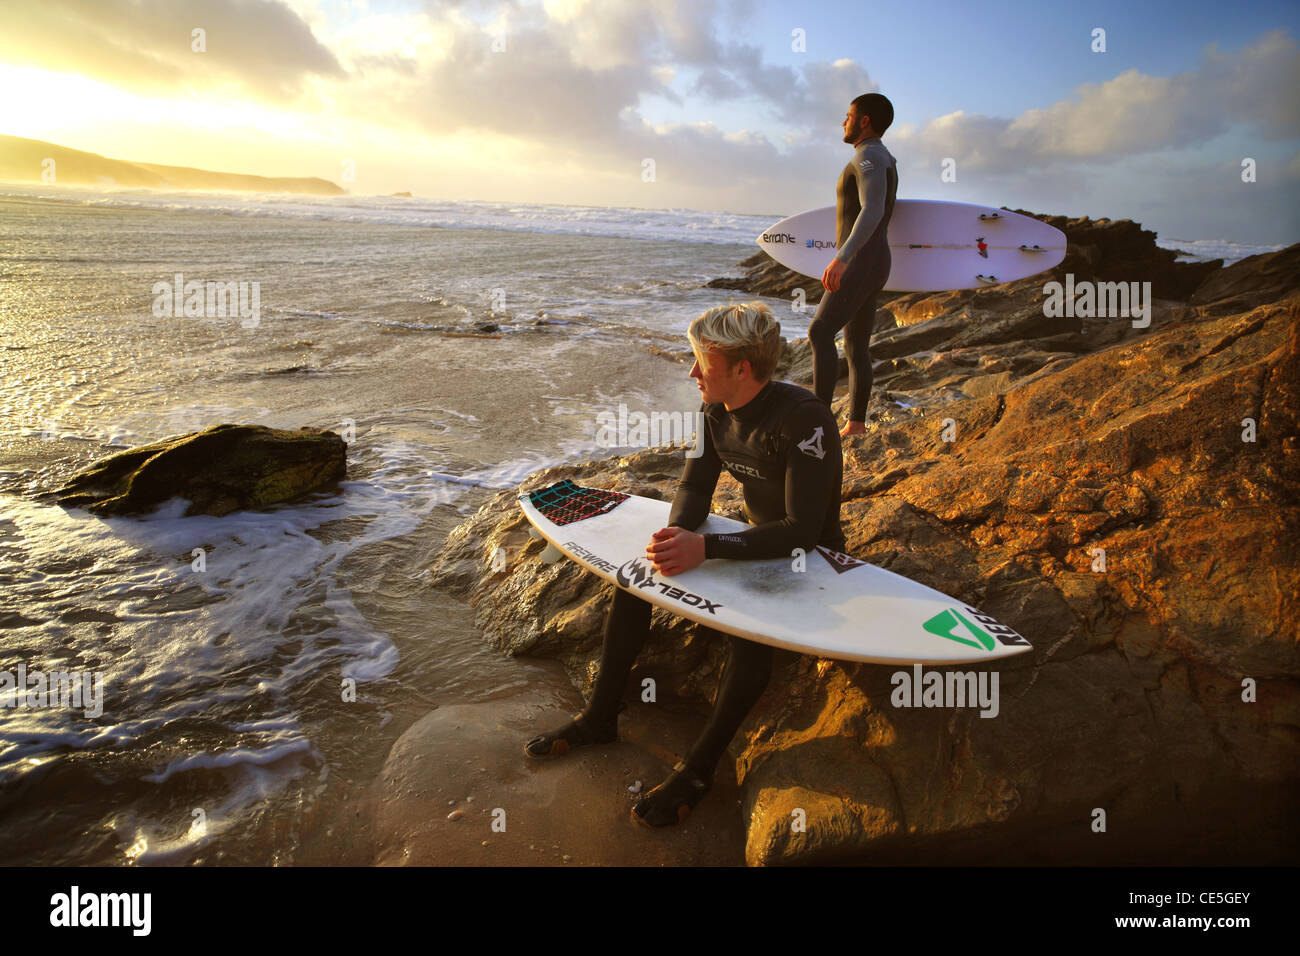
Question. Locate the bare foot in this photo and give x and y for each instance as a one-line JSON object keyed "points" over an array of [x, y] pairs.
{"points": [[854, 428]]}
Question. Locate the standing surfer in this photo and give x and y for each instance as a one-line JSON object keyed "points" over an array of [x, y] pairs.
{"points": [[864, 201], [779, 441]]}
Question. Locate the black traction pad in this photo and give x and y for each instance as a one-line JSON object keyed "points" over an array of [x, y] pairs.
{"points": [[565, 502]]}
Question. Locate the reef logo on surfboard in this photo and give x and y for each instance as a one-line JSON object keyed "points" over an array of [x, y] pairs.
{"points": [[950, 623], [840, 562]]}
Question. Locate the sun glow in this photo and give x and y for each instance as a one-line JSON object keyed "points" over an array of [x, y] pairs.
{"points": [[82, 113]]}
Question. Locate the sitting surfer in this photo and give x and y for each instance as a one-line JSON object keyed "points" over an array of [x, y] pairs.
{"points": [[864, 202], [779, 441]]}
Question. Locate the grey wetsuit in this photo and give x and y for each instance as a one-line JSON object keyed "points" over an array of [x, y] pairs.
{"points": [[864, 203]]}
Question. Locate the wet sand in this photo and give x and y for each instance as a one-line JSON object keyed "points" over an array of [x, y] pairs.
{"points": [[573, 810]]}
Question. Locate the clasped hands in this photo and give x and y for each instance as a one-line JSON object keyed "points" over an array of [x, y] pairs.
{"points": [[673, 550]]}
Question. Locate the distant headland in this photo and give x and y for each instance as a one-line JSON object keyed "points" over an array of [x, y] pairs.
{"points": [[33, 161]]}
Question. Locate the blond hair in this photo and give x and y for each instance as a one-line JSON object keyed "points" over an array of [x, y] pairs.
{"points": [[740, 331]]}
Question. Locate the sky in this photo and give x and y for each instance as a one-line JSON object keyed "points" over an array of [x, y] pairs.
{"points": [[730, 105]]}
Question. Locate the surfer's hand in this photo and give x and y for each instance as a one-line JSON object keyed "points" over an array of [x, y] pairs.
{"points": [[674, 550], [831, 277]]}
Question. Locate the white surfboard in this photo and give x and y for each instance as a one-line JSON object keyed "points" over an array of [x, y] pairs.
{"points": [[836, 607], [933, 245]]}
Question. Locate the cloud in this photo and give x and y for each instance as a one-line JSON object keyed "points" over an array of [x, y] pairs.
{"points": [[1132, 114], [568, 84], [604, 34], [258, 45], [570, 80], [564, 96], [814, 97]]}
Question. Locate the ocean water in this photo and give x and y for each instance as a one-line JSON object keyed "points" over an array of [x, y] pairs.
{"points": [[222, 688], [667, 225], [466, 344]]}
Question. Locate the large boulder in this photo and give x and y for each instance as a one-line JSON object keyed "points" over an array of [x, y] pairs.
{"points": [[1255, 280], [221, 469], [1120, 250]]}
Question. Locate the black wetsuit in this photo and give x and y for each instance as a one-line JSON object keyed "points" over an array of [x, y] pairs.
{"points": [[784, 449], [864, 203]]}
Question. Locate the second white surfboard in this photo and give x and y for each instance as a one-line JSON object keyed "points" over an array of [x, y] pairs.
{"points": [[933, 245]]}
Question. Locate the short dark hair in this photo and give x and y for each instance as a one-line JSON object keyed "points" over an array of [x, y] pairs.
{"points": [[877, 108]]}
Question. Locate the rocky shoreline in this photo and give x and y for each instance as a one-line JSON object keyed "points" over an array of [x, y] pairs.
{"points": [[1122, 496]]}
